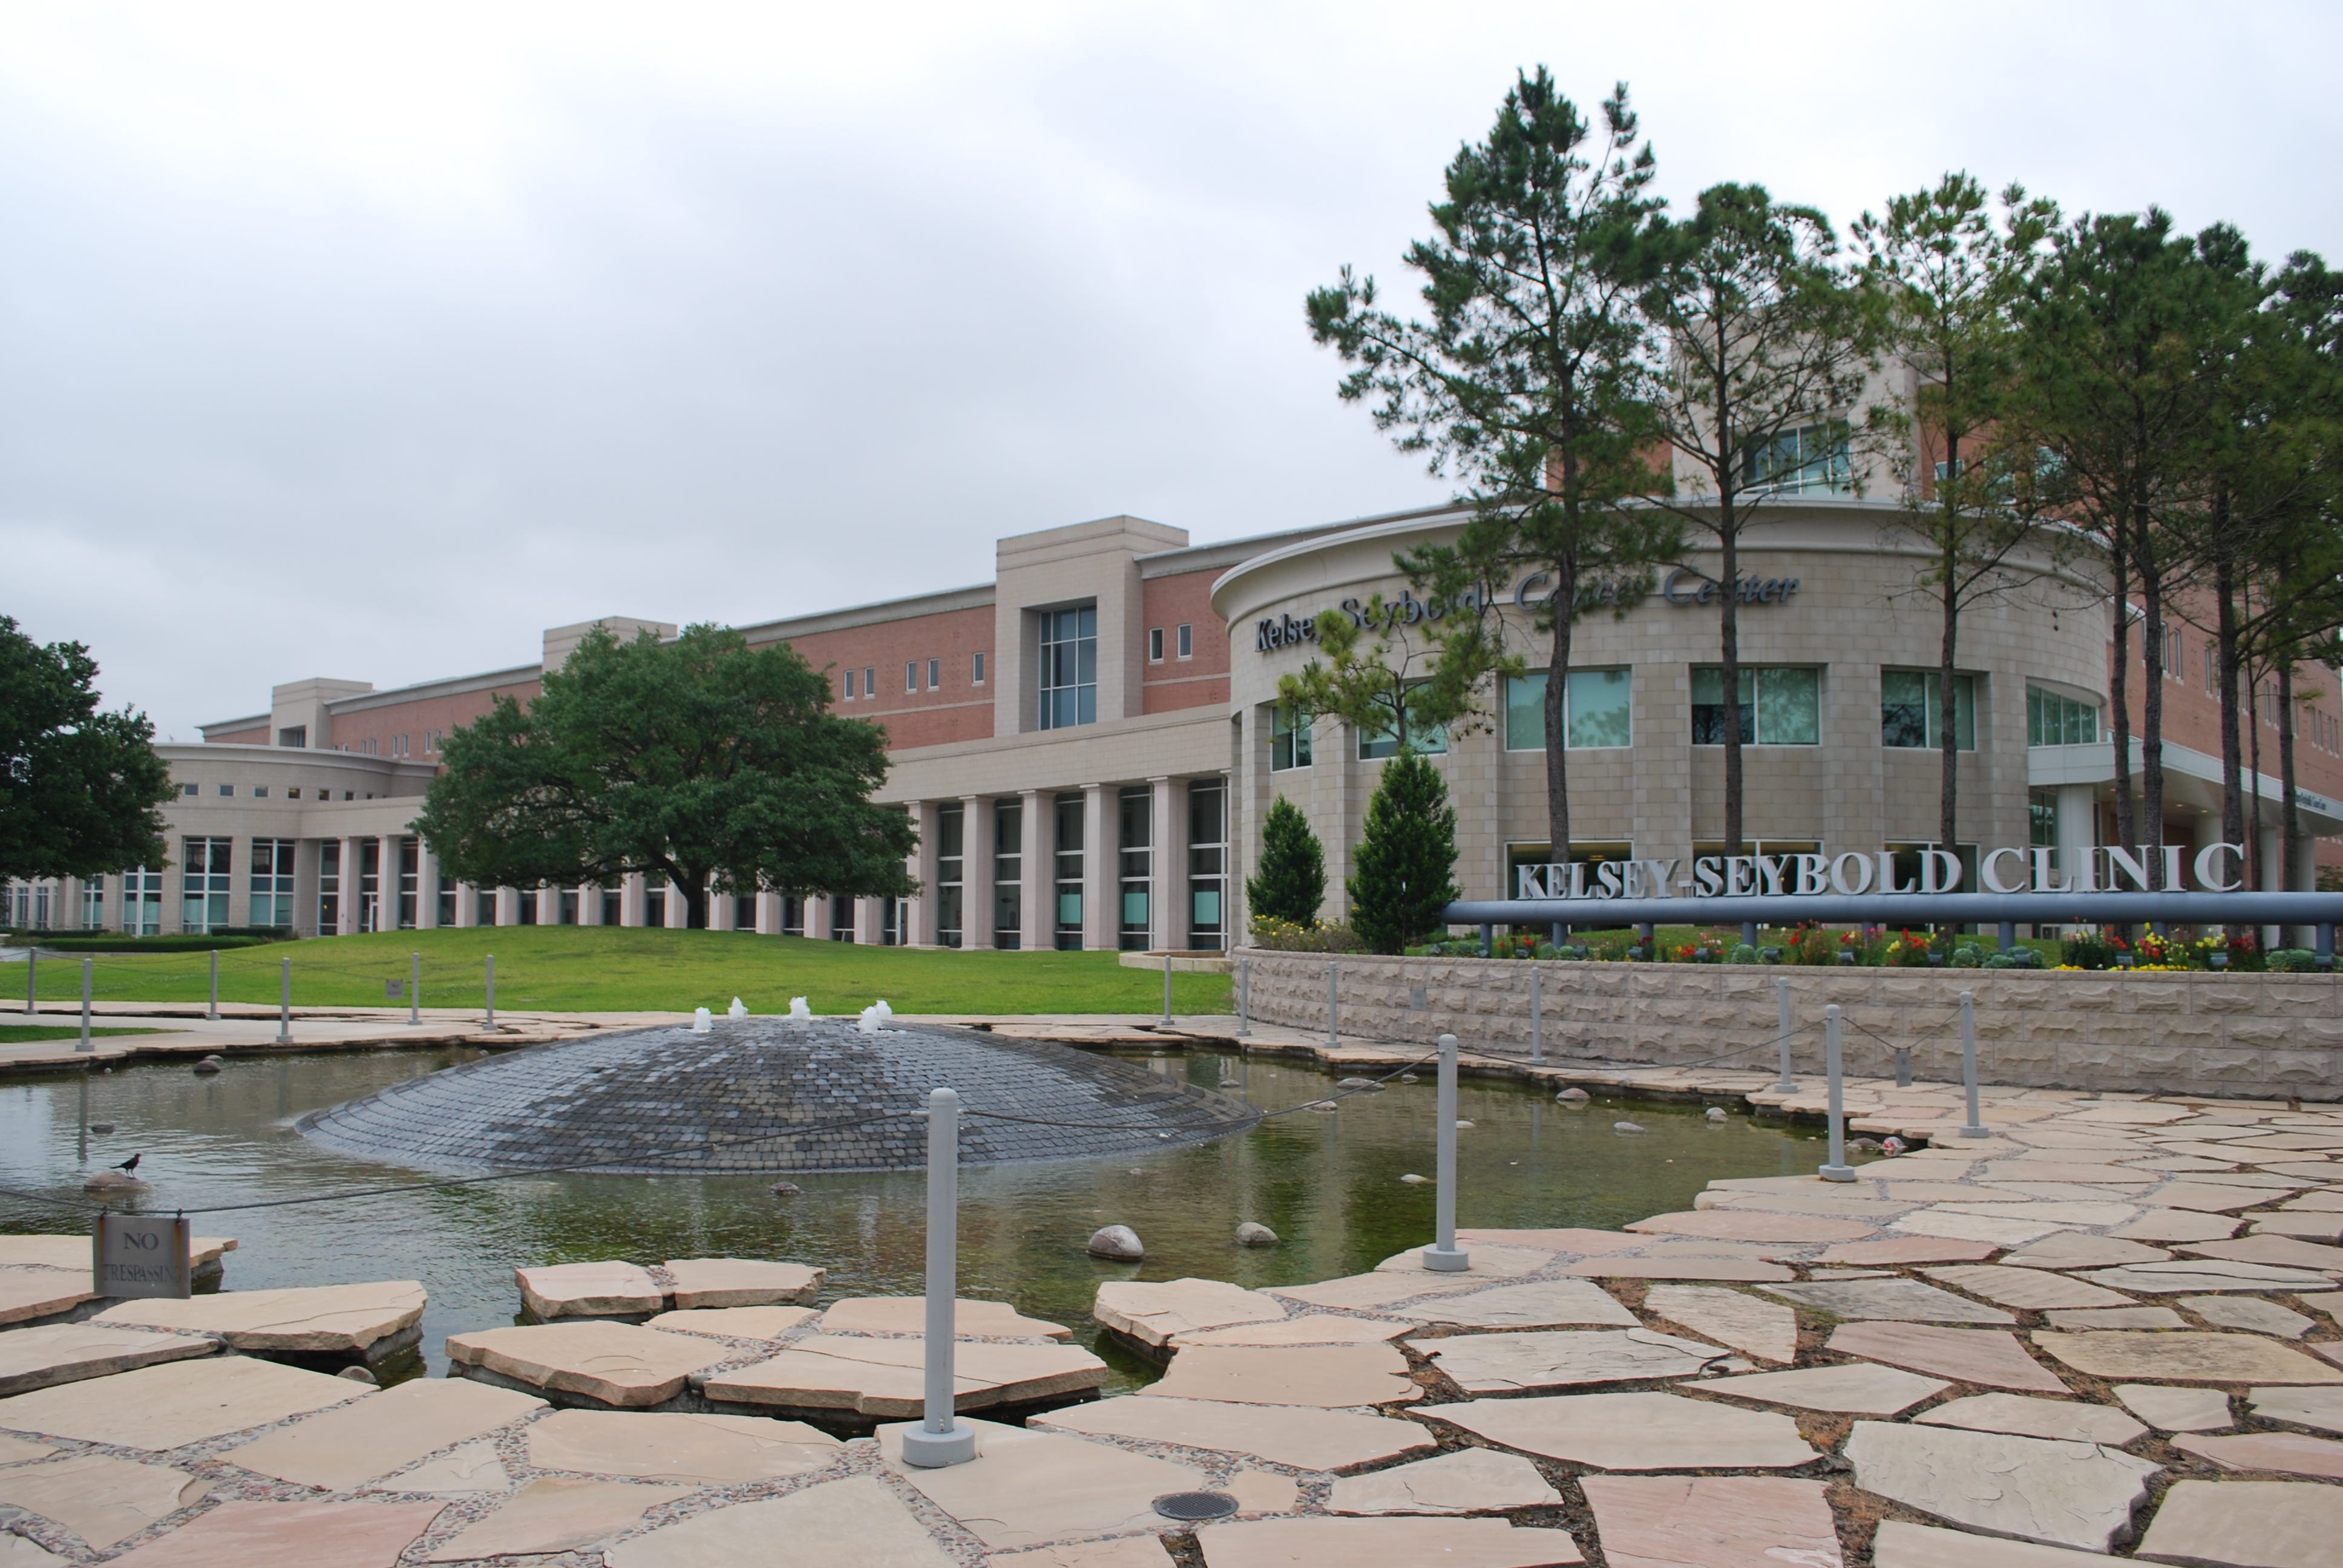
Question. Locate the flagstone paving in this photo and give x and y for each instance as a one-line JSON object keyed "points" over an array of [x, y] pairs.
{"points": [[2107, 1332]]}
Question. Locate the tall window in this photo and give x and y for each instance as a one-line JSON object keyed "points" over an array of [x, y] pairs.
{"points": [[1008, 874], [1207, 863], [978, 676], [1912, 710], [1154, 645], [444, 895], [1596, 710], [369, 888], [1811, 460], [911, 678], [142, 902], [410, 885], [852, 678], [2052, 719], [1068, 870], [1429, 739], [1135, 837], [1289, 737], [272, 882], [1187, 640], [1781, 705], [655, 902], [935, 674], [93, 904], [1069, 667], [204, 883], [2173, 668], [2042, 817], [952, 824], [329, 888]]}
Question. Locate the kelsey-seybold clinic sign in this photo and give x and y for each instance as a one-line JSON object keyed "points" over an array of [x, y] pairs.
{"points": [[1681, 588], [2103, 868]]}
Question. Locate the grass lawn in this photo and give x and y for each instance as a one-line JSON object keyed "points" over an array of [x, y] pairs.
{"points": [[32, 1033], [590, 969]]}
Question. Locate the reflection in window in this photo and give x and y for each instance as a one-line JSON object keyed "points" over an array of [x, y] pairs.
{"points": [[2055, 721], [1781, 705], [1069, 667], [1912, 714], [1289, 737], [1596, 710], [1811, 460]]}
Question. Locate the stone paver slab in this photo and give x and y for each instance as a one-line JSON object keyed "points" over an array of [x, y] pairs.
{"points": [[1711, 1521], [661, 1445], [26, 1294], [2033, 1290], [2278, 1252], [1384, 1543], [160, 1408], [101, 1498], [1356, 1293], [1898, 1299], [2062, 1494], [733, 1322], [2286, 1452], [2074, 1250], [1024, 1487], [1632, 1430], [2175, 1409], [17, 1451], [467, 1471], [1859, 1388], [603, 1289], [1745, 1225], [1520, 1363], [1329, 1377], [886, 1377], [1490, 1261], [1734, 1271], [1281, 1434], [2249, 1523], [1543, 1303], [2193, 1277], [1987, 1356], [2308, 1226], [1765, 1330], [557, 1514], [315, 1319], [909, 1315], [1470, 1481], [2184, 1356], [314, 1534], [1899, 1544], [336, 1449], [1151, 1312], [2176, 1225], [1574, 1241], [2251, 1313], [1308, 1329], [53, 1353], [621, 1364], [1121, 1552], [2021, 1415], [2117, 1318], [2206, 1198], [2318, 1407], [855, 1521], [742, 1283], [1909, 1250]]}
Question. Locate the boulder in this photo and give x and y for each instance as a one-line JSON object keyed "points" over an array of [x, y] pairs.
{"points": [[1250, 1234], [1120, 1242]]}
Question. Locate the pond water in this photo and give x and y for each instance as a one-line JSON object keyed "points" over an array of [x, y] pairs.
{"points": [[1329, 1185]]}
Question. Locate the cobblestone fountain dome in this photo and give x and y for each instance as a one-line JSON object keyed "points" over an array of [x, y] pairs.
{"points": [[761, 1096]]}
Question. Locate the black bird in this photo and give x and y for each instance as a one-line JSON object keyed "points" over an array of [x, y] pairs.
{"points": [[130, 1165]]}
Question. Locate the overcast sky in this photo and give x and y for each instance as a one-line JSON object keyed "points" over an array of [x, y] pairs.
{"points": [[369, 343]]}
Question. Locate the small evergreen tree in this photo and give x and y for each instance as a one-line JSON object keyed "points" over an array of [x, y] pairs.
{"points": [[1406, 858], [1291, 882]]}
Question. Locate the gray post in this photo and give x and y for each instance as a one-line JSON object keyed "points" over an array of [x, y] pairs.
{"points": [[1333, 1005], [1976, 1127], [938, 1440], [1782, 998], [1902, 1067], [85, 1044], [413, 990], [1838, 1170], [1244, 996], [489, 1024], [1488, 939], [2326, 939], [33, 981], [1167, 988], [284, 1005], [1537, 1020], [1443, 1256], [1649, 935], [212, 1010], [2008, 935], [1749, 932]]}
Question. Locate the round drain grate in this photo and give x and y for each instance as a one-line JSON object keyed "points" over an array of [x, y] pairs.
{"points": [[1195, 1505]]}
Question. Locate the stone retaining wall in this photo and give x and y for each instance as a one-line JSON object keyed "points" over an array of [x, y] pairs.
{"points": [[2250, 1035]]}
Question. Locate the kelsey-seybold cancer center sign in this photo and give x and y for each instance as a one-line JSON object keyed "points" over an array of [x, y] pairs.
{"points": [[2102, 868]]}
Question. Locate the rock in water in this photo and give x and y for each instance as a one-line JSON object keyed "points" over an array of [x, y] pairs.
{"points": [[786, 1189], [1120, 1242], [1627, 1127], [112, 1181], [1407, 1078], [1717, 1113], [1573, 1097], [1249, 1235], [1462, 1125], [359, 1375], [1232, 1083], [1413, 1179], [1360, 1083], [207, 1066]]}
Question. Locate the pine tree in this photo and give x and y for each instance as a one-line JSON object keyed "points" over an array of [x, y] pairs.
{"points": [[1406, 858], [1291, 882]]}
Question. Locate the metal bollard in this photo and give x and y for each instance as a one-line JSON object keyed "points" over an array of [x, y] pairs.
{"points": [[1333, 1006], [2008, 936], [284, 1005], [1782, 997], [1838, 1170], [1443, 1256], [1244, 996], [1976, 1127], [212, 1010], [33, 981], [938, 1439], [1488, 939], [1902, 1067], [85, 1044], [1537, 1020], [1167, 988], [1749, 932], [489, 1024], [413, 990]]}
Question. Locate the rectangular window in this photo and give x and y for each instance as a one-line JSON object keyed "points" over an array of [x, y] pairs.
{"points": [[260, 791], [842, 918], [1187, 640], [1811, 460], [444, 896], [296, 735], [329, 888], [1207, 864], [935, 674], [2052, 719], [204, 872], [1781, 705], [1289, 737], [1597, 710], [2172, 645], [93, 905], [1068, 872], [1154, 645], [951, 823], [410, 885], [1135, 837], [369, 888], [228, 791], [870, 681], [1912, 710], [978, 680], [911, 678], [293, 792], [2042, 817], [850, 678], [1008, 874], [744, 911], [142, 902], [1431, 740], [1069, 667], [272, 882], [188, 789], [654, 902], [793, 914]]}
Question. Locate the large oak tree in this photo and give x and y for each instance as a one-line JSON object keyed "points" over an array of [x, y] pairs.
{"points": [[78, 788]]}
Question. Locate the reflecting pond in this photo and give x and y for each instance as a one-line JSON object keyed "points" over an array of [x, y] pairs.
{"points": [[1329, 1185]]}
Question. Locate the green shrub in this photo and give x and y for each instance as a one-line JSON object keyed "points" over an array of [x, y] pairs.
{"points": [[1290, 885], [1406, 857]]}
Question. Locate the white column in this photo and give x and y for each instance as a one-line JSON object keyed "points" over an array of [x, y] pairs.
{"points": [[1167, 907], [2078, 827], [868, 921], [346, 904], [719, 911], [468, 905], [769, 914], [589, 904], [239, 888], [630, 898], [919, 912], [386, 883], [426, 887], [678, 912], [1101, 889], [1036, 872], [976, 872]]}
